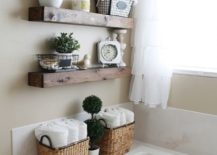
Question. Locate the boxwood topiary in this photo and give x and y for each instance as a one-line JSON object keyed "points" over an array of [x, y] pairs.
{"points": [[95, 131], [92, 105], [95, 127]]}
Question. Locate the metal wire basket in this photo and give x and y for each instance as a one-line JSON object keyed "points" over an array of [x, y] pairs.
{"points": [[120, 8], [54, 62], [103, 6]]}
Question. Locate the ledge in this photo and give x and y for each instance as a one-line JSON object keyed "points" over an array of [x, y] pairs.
{"points": [[45, 80], [67, 16]]}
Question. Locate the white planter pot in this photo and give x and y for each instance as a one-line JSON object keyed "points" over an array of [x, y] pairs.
{"points": [[64, 55], [65, 59], [94, 152], [51, 3]]}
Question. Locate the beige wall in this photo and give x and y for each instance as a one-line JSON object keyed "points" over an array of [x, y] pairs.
{"points": [[21, 104], [194, 93]]}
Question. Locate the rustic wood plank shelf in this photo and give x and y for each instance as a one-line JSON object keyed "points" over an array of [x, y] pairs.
{"points": [[45, 80], [66, 16]]}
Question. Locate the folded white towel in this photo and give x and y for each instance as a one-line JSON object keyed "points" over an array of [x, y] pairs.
{"points": [[57, 134]]}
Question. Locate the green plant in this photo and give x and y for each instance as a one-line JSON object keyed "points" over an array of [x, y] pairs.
{"points": [[65, 43], [92, 105]]}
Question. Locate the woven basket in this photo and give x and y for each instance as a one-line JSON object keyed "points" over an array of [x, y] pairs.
{"points": [[117, 141], [78, 148]]}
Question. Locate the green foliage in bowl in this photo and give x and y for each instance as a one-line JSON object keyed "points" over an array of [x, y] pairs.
{"points": [[65, 43]]}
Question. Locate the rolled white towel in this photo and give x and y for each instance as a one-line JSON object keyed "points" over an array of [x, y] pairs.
{"points": [[82, 128], [56, 133], [129, 115], [123, 119], [83, 131], [112, 119], [72, 129], [120, 115], [117, 111]]}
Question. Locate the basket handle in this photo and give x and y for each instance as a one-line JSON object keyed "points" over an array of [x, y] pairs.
{"points": [[48, 138], [105, 124]]}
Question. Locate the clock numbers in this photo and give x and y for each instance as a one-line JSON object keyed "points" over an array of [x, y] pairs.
{"points": [[109, 52]]}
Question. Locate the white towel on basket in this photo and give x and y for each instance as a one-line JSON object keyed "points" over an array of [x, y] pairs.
{"points": [[116, 117], [57, 134], [62, 132]]}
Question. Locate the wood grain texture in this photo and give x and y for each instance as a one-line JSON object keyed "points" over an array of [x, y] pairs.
{"points": [[66, 16], [45, 80]]}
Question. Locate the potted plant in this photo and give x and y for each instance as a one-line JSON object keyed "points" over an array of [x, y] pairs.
{"points": [[95, 128], [64, 46]]}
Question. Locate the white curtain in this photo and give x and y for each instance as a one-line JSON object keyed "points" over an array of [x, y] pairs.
{"points": [[151, 70]]}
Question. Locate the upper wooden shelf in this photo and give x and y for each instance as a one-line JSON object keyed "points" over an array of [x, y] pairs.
{"points": [[45, 80], [66, 16]]}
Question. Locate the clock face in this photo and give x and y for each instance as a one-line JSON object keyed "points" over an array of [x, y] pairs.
{"points": [[109, 52]]}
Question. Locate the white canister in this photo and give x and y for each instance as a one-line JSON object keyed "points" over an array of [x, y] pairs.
{"points": [[83, 5], [51, 3]]}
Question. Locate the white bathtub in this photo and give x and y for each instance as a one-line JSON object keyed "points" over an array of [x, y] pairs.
{"points": [[180, 130], [140, 148]]}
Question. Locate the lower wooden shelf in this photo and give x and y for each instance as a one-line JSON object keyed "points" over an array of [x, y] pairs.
{"points": [[45, 80]]}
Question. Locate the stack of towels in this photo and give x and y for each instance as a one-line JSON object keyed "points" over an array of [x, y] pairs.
{"points": [[116, 117], [62, 132]]}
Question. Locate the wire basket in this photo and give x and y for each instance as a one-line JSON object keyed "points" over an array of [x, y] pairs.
{"points": [[103, 6], [120, 8], [54, 62]]}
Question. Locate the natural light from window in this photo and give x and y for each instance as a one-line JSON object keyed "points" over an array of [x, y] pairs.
{"points": [[189, 32]]}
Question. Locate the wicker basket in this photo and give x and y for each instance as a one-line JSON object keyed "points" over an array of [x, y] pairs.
{"points": [[78, 148], [117, 141]]}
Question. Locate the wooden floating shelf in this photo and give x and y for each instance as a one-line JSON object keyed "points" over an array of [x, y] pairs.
{"points": [[66, 16], [45, 80]]}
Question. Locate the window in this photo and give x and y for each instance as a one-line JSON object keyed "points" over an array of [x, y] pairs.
{"points": [[189, 30]]}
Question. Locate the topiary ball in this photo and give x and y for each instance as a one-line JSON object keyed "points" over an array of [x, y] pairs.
{"points": [[92, 104]]}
